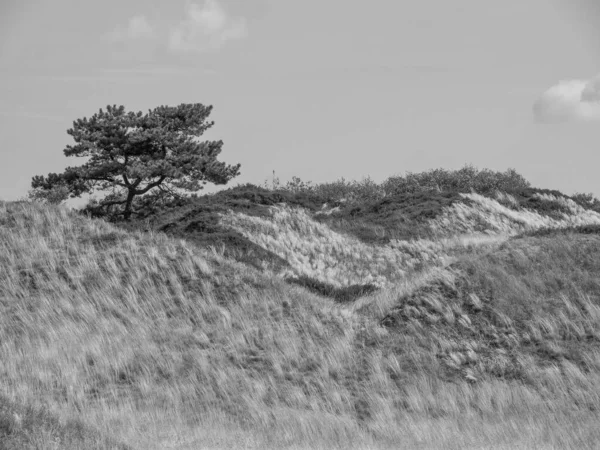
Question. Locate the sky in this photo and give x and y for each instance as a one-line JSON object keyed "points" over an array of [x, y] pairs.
{"points": [[314, 89]]}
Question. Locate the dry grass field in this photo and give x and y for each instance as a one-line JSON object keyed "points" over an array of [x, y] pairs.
{"points": [[483, 333]]}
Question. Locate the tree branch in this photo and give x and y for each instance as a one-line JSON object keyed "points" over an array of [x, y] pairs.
{"points": [[150, 186]]}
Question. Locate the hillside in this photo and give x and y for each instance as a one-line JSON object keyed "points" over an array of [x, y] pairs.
{"points": [[348, 315]]}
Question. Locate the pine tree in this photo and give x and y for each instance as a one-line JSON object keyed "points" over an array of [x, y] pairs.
{"points": [[132, 154]]}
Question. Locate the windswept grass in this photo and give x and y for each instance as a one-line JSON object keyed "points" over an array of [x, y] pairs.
{"points": [[27, 428], [484, 214], [313, 249], [158, 343]]}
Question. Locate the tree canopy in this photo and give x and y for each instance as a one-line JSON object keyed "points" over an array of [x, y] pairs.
{"points": [[131, 154]]}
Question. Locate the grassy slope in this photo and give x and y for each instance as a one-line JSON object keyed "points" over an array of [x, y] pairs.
{"points": [[158, 343]]}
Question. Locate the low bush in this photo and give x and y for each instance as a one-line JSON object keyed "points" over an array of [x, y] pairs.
{"points": [[341, 295], [400, 216], [466, 179], [588, 201], [582, 229], [333, 193]]}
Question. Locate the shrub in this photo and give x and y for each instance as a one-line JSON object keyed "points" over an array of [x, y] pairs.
{"points": [[341, 295], [334, 193], [588, 201], [53, 196], [545, 231], [466, 179]]}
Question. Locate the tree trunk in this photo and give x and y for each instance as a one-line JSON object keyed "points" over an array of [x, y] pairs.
{"points": [[127, 211]]}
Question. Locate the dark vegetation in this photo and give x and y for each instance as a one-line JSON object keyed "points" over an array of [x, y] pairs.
{"points": [[581, 229], [132, 154], [466, 179], [400, 216], [341, 295]]}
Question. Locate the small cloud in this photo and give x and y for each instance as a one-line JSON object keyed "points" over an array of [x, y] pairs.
{"points": [[569, 101], [137, 28], [205, 28]]}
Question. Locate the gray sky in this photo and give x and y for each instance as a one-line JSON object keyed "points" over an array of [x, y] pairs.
{"points": [[317, 89]]}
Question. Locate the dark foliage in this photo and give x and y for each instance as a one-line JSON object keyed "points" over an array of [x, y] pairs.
{"points": [[341, 295], [466, 179], [132, 154], [542, 232], [416, 206], [399, 216], [332, 193], [249, 194]]}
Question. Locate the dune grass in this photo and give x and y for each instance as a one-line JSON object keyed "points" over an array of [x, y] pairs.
{"points": [[146, 341], [312, 249], [504, 214]]}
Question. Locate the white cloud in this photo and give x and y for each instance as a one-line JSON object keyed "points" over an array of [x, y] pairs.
{"points": [[137, 28], [205, 27], [569, 101]]}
